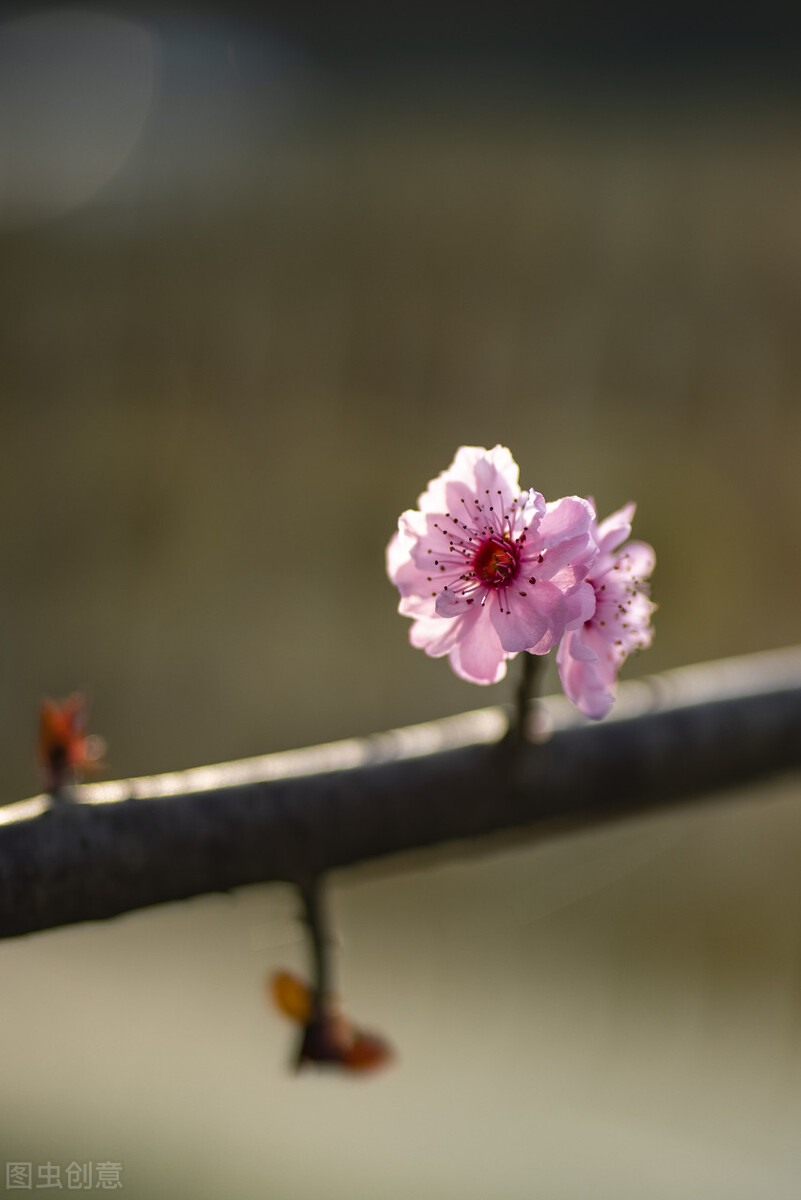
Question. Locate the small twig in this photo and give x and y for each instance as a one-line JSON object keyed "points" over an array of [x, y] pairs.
{"points": [[526, 693], [315, 919]]}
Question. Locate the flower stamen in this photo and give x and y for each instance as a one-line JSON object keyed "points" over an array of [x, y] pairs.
{"points": [[496, 562]]}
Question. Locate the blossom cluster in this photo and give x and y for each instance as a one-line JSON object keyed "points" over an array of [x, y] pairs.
{"points": [[487, 570]]}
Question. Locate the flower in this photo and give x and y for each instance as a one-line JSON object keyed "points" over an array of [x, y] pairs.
{"points": [[65, 750], [328, 1037], [484, 569], [612, 618]]}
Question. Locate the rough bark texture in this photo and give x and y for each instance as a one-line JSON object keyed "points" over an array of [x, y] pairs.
{"points": [[114, 847]]}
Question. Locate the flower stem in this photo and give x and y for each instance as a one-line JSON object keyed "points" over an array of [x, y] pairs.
{"points": [[527, 689]]}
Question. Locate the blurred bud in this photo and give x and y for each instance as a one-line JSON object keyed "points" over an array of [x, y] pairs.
{"points": [[329, 1038], [65, 750]]}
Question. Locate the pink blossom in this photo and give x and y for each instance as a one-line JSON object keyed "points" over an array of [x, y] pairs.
{"points": [[486, 570], [612, 617]]}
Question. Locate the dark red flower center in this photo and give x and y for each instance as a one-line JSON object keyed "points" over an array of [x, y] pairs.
{"points": [[496, 562]]}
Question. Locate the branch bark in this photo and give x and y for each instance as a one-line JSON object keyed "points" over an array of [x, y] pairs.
{"points": [[132, 843]]}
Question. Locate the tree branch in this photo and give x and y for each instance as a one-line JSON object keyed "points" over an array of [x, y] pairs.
{"points": [[132, 843]]}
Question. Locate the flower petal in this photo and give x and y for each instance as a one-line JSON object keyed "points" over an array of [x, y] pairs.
{"points": [[478, 656], [410, 580], [577, 552], [566, 518], [417, 606], [536, 618], [438, 637], [475, 469], [613, 532], [554, 599], [588, 683], [638, 559], [580, 605], [451, 604]]}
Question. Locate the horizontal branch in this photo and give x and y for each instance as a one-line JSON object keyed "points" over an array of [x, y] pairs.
{"points": [[132, 843]]}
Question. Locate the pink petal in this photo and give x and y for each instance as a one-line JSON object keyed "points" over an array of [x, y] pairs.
{"points": [[639, 619], [431, 540], [397, 554], [536, 619], [613, 532], [640, 559], [580, 605], [451, 604], [588, 683], [578, 551], [478, 655], [553, 600], [401, 551], [411, 581], [438, 637], [416, 605], [566, 518], [533, 510], [497, 472], [580, 650], [475, 469]]}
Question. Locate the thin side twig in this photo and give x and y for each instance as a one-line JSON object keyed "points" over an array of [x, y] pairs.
{"points": [[315, 919]]}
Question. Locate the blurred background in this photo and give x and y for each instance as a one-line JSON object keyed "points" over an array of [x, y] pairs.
{"points": [[259, 278]]}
